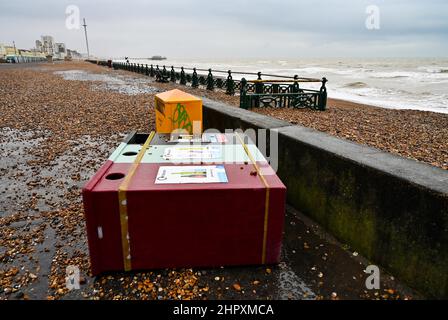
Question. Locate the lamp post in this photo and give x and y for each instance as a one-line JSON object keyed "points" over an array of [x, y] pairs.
{"points": [[87, 42]]}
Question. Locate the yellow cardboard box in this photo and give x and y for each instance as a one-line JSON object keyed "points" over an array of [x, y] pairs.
{"points": [[176, 109]]}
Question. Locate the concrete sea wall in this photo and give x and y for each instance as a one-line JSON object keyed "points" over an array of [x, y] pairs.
{"points": [[391, 209]]}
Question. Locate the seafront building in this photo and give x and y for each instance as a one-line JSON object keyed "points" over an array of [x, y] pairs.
{"points": [[60, 51], [48, 45], [39, 46], [73, 54], [14, 55], [45, 49]]}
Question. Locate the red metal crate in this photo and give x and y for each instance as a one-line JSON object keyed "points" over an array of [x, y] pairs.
{"points": [[148, 225]]}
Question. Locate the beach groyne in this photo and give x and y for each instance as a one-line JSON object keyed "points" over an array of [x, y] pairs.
{"points": [[391, 209]]}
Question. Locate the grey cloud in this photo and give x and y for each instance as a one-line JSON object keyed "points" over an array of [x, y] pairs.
{"points": [[263, 28]]}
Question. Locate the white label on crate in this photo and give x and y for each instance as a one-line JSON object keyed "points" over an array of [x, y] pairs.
{"points": [[185, 138], [192, 152], [191, 174], [206, 138]]}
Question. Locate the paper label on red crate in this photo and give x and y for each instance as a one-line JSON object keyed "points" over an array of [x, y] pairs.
{"points": [[192, 152], [206, 138], [191, 174], [218, 137], [185, 138]]}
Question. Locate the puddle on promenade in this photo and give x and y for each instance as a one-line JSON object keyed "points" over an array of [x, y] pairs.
{"points": [[106, 82]]}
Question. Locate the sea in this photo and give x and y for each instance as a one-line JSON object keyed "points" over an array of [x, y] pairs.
{"points": [[397, 83]]}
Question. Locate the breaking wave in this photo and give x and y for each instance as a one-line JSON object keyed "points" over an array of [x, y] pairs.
{"points": [[357, 84]]}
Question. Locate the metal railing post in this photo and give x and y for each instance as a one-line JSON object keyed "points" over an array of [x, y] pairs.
{"points": [[194, 79], [230, 84], [210, 82], [322, 105], [244, 103], [158, 73], [173, 75], [183, 80], [295, 86], [258, 89]]}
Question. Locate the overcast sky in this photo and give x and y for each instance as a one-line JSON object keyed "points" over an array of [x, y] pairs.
{"points": [[235, 28]]}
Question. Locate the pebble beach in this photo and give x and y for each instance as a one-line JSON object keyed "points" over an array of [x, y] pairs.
{"points": [[414, 134], [59, 123]]}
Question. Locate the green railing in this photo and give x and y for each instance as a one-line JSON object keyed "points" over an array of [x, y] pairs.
{"points": [[280, 92]]}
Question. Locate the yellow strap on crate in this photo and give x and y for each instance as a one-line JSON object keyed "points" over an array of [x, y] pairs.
{"points": [[266, 205], [122, 203]]}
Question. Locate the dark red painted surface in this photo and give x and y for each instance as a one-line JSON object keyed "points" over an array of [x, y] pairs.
{"points": [[184, 225]]}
